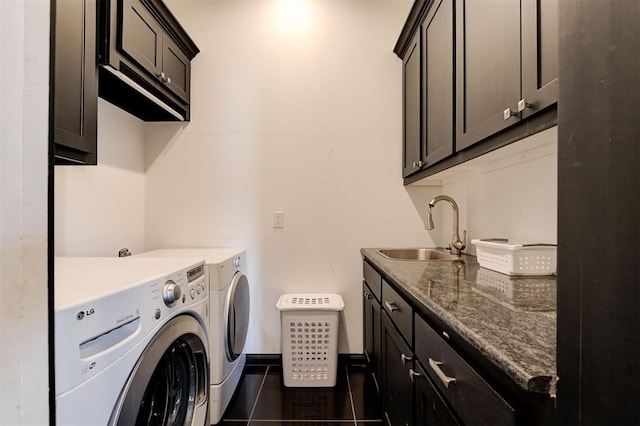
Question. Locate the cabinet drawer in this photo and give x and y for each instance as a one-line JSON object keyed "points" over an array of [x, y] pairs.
{"points": [[373, 279], [475, 401], [399, 311]]}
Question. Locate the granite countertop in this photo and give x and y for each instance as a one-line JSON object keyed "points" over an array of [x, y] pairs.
{"points": [[510, 320]]}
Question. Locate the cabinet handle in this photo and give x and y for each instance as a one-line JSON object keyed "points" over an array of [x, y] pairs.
{"points": [[413, 374], [435, 366], [405, 358], [367, 296], [417, 164], [508, 113], [523, 104], [165, 78], [391, 307]]}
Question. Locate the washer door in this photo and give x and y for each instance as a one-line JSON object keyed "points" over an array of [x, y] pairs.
{"points": [[236, 316], [169, 383]]}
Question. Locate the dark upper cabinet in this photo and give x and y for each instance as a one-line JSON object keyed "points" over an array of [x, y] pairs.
{"points": [[485, 66], [540, 55], [506, 66], [177, 69], [145, 41], [411, 108], [437, 78], [74, 88], [428, 90], [145, 57]]}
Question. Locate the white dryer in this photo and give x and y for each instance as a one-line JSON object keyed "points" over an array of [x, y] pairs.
{"points": [[130, 341], [229, 322]]}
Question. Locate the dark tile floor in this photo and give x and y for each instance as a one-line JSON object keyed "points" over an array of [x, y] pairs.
{"points": [[262, 399]]}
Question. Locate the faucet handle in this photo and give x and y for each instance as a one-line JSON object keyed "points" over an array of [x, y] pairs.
{"points": [[464, 239]]}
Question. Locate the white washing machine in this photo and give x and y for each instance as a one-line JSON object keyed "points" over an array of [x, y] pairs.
{"points": [[131, 345], [229, 322]]}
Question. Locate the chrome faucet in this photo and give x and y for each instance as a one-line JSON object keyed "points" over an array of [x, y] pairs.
{"points": [[457, 245]]}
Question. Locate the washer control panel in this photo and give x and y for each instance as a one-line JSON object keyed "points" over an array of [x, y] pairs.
{"points": [[197, 282]]}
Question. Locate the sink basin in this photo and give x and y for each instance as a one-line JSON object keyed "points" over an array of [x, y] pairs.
{"points": [[416, 254]]}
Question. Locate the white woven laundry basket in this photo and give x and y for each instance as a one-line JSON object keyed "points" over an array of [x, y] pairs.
{"points": [[309, 338]]}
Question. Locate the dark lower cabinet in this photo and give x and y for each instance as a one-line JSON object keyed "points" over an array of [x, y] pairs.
{"points": [[74, 80], [430, 408], [397, 360], [424, 379], [372, 334]]}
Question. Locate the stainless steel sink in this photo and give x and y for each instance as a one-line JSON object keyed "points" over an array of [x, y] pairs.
{"points": [[416, 254]]}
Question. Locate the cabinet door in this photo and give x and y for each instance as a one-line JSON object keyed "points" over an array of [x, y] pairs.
{"points": [[437, 56], [431, 408], [176, 67], [411, 108], [539, 55], [487, 68], [75, 82], [372, 334], [141, 36], [397, 386]]}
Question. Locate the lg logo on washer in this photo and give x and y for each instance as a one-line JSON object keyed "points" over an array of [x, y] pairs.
{"points": [[86, 313]]}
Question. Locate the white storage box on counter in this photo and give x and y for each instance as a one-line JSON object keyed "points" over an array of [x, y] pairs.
{"points": [[309, 338], [513, 257]]}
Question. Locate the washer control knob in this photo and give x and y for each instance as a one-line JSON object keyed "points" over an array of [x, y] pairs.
{"points": [[236, 262], [193, 293], [171, 293], [203, 286], [157, 314]]}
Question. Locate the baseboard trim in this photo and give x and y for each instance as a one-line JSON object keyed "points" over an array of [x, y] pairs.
{"points": [[276, 359], [264, 359]]}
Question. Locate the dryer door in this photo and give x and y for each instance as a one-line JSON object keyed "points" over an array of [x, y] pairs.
{"points": [[236, 316], [169, 383]]}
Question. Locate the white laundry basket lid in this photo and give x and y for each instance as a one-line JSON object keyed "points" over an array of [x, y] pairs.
{"points": [[315, 301]]}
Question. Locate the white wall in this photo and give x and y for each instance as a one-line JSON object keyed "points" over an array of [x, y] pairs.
{"points": [[100, 209], [296, 106], [24, 90]]}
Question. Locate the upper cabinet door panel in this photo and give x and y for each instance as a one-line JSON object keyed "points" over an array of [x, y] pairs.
{"points": [[539, 54], [488, 67], [411, 108], [177, 69], [438, 81], [141, 36], [75, 82]]}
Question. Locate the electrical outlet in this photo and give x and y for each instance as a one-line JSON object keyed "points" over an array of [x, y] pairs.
{"points": [[278, 219]]}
